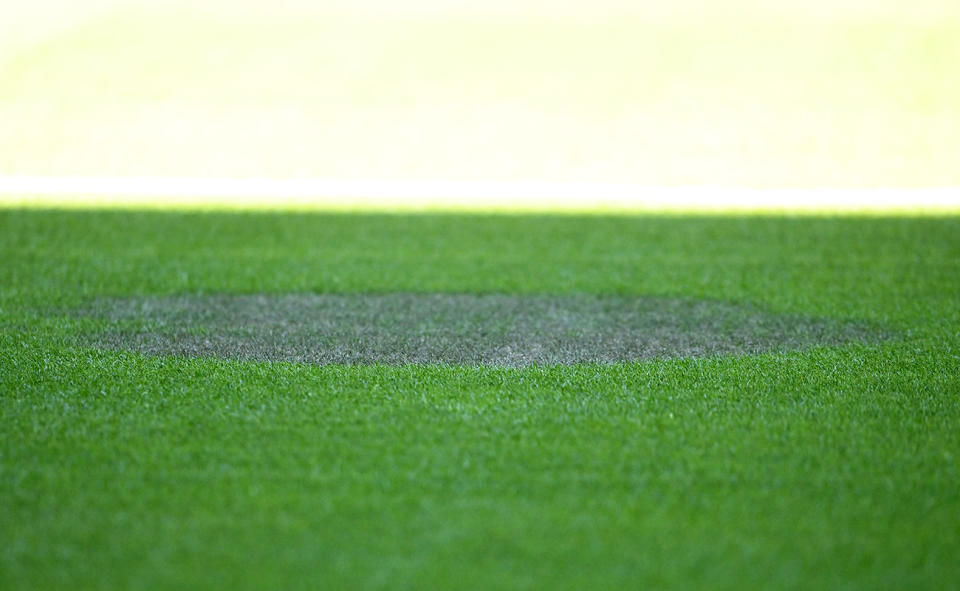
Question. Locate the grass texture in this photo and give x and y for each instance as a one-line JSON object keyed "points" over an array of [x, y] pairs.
{"points": [[832, 467]]}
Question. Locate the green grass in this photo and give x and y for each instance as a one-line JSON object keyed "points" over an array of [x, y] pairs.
{"points": [[835, 467]]}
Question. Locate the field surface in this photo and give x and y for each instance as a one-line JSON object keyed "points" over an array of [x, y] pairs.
{"points": [[830, 463]]}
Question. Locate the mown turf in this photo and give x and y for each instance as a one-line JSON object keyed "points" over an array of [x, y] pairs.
{"points": [[835, 467]]}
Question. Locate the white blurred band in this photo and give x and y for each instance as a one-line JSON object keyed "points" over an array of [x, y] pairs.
{"points": [[360, 194]]}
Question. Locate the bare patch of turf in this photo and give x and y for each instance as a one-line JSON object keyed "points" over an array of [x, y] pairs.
{"points": [[454, 329]]}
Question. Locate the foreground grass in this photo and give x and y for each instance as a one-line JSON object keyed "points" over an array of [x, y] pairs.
{"points": [[834, 467]]}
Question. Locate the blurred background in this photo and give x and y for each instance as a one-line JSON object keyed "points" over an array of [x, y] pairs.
{"points": [[840, 93]]}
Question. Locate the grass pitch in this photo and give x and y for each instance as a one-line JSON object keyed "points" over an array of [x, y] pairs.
{"points": [[830, 467]]}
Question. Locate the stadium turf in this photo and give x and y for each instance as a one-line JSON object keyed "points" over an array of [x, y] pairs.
{"points": [[834, 466]]}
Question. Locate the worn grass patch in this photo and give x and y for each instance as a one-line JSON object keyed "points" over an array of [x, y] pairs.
{"points": [[454, 329]]}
